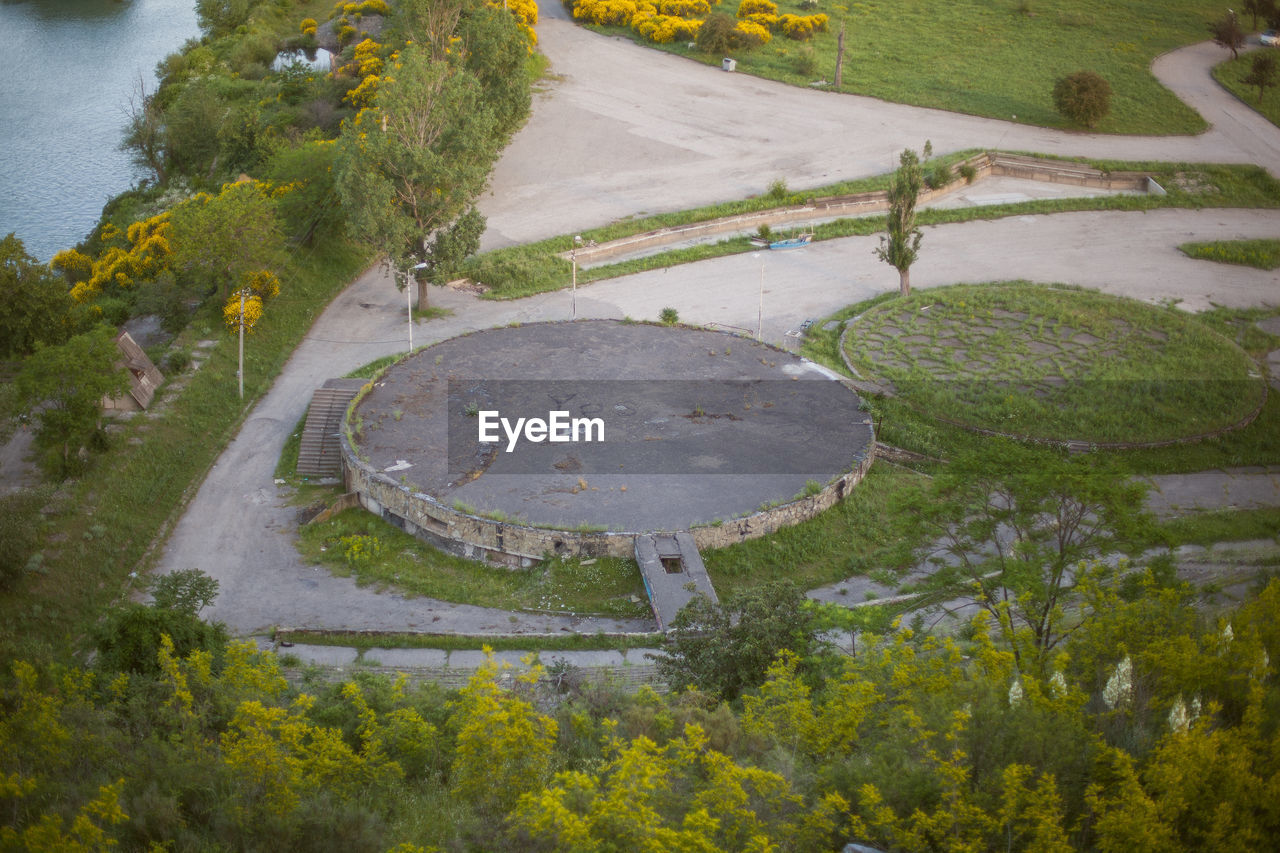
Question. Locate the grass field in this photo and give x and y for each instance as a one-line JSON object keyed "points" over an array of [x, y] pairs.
{"points": [[997, 59], [1263, 254], [356, 542], [1231, 75], [1053, 362]]}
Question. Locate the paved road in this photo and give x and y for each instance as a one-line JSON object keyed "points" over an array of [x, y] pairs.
{"points": [[645, 132], [625, 130]]}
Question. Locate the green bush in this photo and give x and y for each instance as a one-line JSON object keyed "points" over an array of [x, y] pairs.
{"points": [[669, 316], [1083, 97]]}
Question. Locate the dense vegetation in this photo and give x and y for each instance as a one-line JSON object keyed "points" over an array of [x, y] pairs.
{"points": [[1154, 730]]}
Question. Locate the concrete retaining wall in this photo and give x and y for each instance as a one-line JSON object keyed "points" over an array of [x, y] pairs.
{"points": [[984, 165], [519, 546]]}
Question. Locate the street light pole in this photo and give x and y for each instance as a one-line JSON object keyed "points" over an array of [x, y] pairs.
{"points": [[760, 309], [573, 257], [240, 373]]}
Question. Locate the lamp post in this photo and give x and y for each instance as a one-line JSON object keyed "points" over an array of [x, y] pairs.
{"points": [[760, 309], [573, 257], [408, 297]]}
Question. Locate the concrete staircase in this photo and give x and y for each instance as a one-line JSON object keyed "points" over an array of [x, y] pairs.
{"points": [[320, 453], [673, 573]]}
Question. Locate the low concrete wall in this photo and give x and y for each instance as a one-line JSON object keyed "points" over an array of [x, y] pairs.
{"points": [[984, 165], [519, 546]]}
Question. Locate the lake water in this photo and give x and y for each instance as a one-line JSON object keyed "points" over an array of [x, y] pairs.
{"points": [[67, 72]]}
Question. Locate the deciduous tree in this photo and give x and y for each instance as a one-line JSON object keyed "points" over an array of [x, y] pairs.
{"points": [[219, 241], [1226, 32], [63, 387], [33, 304], [901, 246], [416, 160], [1011, 531], [1262, 73]]}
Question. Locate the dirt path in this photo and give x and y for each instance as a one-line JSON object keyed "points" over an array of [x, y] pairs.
{"points": [[628, 130]]}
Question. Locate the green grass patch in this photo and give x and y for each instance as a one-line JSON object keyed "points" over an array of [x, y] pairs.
{"points": [[1231, 75], [1055, 362], [374, 552], [999, 60], [902, 425], [107, 522], [365, 641], [520, 271], [1263, 254], [862, 533], [1206, 528]]}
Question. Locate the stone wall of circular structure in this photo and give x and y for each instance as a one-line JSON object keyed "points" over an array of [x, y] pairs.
{"points": [[392, 422]]}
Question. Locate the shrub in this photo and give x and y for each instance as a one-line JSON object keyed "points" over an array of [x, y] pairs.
{"points": [[749, 34], [968, 172], [684, 8], [669, 316], [715, 36], [1083, 97], [753, 7], [806, 62], [938, 175]]}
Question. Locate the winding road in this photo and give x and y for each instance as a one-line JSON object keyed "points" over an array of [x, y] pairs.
{"points": [[622, 130]]}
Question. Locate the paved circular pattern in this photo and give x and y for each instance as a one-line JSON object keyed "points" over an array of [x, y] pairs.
{"points": [[1055, 363], [700, 426]]}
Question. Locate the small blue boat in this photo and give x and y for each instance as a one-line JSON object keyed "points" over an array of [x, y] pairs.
{"points": [[792, 242]]}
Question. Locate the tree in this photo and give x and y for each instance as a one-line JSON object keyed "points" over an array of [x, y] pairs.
{"points": [[727, 648], [453, 245], [416, 160], [1083, 97], [1011, 530], [1226, 32], [34, 305], [902, 244], [1260, 9], [220, 17], [219, 241], [63, 386], [144, 134], [1262, 73]]}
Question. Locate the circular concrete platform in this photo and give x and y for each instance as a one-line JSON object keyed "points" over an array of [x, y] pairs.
{"points": [[679, 429]]}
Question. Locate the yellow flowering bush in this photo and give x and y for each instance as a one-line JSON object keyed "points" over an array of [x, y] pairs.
{"points": [[76, 266], [802, 27], [308, 26], [685, 8], [751, 7], [363, 94], [616, 12], [664, 29], [365, 59], [147, 252], [252, 312], [526, 15], [753, 34], [764, 19], [264, 283]]}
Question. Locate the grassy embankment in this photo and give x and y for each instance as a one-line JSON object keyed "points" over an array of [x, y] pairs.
{"points": [[103, 526]]}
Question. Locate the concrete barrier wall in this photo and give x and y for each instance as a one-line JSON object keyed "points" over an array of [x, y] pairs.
{"points": [[519, 546], [984, 165]]}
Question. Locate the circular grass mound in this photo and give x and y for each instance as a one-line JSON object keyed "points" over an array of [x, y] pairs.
{"points": [[1054, 362]]}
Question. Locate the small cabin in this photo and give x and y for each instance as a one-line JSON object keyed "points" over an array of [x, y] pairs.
{"points": [[144, 377]]}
